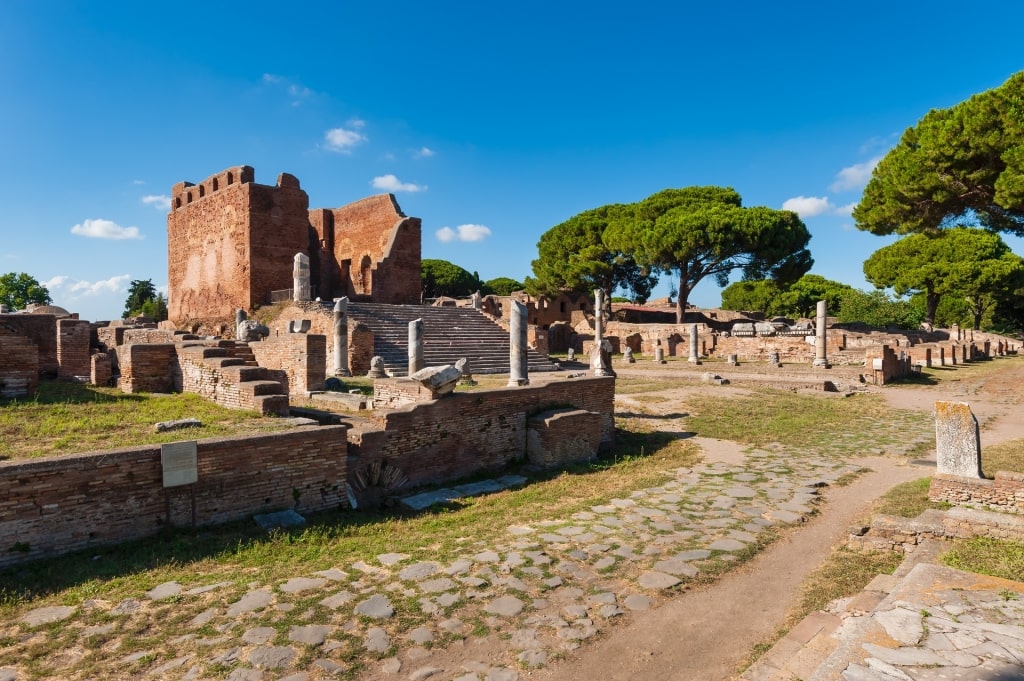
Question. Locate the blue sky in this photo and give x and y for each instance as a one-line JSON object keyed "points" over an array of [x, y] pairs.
{"points": [[492, 122]]}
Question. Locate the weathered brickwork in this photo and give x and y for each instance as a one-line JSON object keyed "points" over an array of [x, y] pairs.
{"points": [[60, 504], [467, 433], [391, 393], [1005, 493], [41, 329], [231, 242], [561, 437], [100, 369], [19, 365], [302, 356], [147, 367], [360, 348], [72, 349], [215, 375], [368, 250]]}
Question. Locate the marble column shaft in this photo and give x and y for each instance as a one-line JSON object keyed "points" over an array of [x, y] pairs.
{"points": [[518, 369]]}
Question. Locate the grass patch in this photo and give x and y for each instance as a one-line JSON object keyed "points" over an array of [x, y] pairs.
{"points": [[1005, 456], [809, 422], [987, 556], [908, 499], [69, 418]]}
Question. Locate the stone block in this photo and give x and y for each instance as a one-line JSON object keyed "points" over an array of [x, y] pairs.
{"points": [[957, 440], [560, 437]]}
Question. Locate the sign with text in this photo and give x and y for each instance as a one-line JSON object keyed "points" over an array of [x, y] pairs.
{"points": [[180, 463]]}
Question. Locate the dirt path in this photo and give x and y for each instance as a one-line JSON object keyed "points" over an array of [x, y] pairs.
{"points": [[706, 633]]}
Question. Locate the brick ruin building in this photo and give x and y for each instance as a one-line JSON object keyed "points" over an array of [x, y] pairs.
{"points": [[231, 242]]}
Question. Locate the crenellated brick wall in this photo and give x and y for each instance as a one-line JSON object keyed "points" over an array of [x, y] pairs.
{"points": [[303, 356], [60, 504], [464, 434], [73, 349]]}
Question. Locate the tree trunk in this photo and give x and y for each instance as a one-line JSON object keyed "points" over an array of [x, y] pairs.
{"points": [[930, 306], [681, 298]]}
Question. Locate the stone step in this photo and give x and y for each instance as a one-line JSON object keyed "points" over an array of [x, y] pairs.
{"points": [[272, 405], [261, 387]]}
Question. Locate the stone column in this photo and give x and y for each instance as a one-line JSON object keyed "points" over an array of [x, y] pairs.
{"points": [[300, 278], [598, 316], [341, 337], [415, 346], [820, 347], [518, 371], [240, 316], [694, 356], [475, 298]]}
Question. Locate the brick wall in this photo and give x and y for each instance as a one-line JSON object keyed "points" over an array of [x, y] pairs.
{"points": [[303, 356], [147, 367], [360, 348], [110, 337], [231, 241], [467, 433], [204, 372], [41, 329], [61, 504], [73, 349], [19, 365], [1005, 493], [372, 247], [100, 369]]}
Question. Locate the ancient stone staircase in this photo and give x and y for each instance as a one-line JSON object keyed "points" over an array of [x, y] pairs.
{"points": [[449, 333], [230, 377]]}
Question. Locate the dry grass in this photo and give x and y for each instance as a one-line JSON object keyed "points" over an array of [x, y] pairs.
{"points": [[67, 418]]}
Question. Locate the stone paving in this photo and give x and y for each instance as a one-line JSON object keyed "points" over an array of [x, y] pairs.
{"points": [[547, 588]]}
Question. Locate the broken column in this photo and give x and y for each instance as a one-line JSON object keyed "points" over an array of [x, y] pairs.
{"points": [[694, 355], [601, 352], [518, 371], [300, 278], [957, 440], [415, 346], [598, 315], [820, 353], [341, 337]]}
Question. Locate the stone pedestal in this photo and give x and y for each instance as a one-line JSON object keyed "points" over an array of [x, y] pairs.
{"points": [[659, 355], [957, 440]]}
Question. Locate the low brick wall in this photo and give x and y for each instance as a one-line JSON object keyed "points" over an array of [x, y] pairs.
{"points": [[302, 355], [1005, 493], [19, 366], [147, 367], [60, 504], [467, 433], [41, 329], [73, 349], [232, 386]]}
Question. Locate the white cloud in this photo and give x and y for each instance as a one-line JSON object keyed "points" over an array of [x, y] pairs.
{"points": [[297, 92], [55, 282], [390, 183], [342, 140], [138, 182], [424, 152], [91, 288], [463, 233], [846, 210], [855, 176], [808, 206], [105, 229], [158, 201]]}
